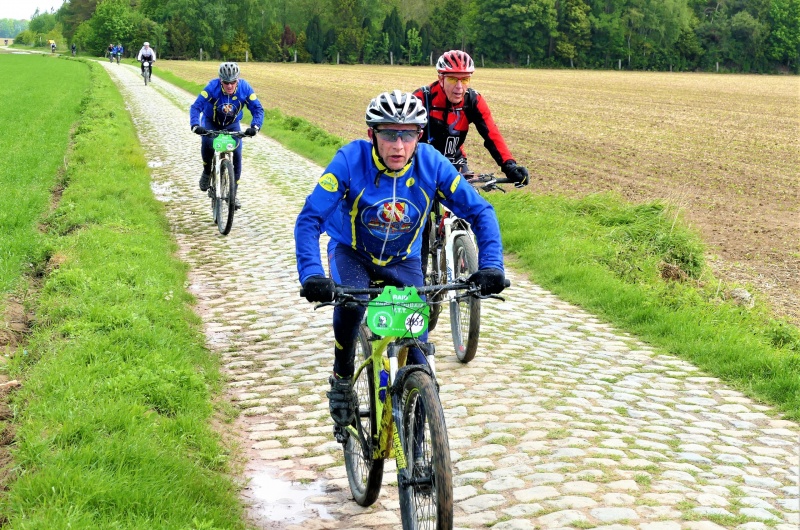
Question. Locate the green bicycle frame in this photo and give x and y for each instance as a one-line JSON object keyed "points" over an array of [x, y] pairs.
{"points": [[394, 314]]}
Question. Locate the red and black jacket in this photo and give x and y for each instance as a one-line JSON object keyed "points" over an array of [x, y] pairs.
{"points": [[448, 125]]}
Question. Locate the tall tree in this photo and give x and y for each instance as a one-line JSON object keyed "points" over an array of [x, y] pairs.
{"points": [[393, 28], [448, 25], [506, 30], [574, 30], [783, 44], [315, 39]]}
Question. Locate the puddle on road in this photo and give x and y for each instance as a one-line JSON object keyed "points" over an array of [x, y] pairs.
{"points": [[163, 191], [276, 500]]}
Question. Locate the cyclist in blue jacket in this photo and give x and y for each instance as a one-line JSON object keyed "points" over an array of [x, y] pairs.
{"points": [[372, 201], [220, 104]]}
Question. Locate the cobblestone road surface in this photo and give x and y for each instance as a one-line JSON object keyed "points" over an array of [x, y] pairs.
{"points": [[561, 421]]}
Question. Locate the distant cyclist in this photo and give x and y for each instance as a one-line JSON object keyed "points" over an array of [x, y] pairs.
{"points": [[74, 49], [52, 47], [219, 108], [452, 106], [146, 54]]}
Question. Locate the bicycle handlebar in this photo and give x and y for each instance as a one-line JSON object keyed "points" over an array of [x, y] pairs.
{"points": [[234, 134], [487, 181], [344, 294]]}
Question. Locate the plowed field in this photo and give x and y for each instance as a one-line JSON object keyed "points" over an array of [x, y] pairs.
{"points": [[726, 148]]}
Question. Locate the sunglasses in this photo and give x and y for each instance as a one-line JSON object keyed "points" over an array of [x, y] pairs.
{"points": [[229, 83], [450, 80], [391, 135]]}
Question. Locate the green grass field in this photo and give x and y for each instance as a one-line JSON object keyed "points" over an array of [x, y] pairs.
{"points": [[36, 143], [113, 420]]}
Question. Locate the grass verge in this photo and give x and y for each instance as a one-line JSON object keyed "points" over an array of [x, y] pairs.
{"points": [[37, 150], [636, 265], [114, 416]]}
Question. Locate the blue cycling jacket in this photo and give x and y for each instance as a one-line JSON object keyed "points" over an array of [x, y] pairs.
{"points": [[220, 110], [380, 213]]}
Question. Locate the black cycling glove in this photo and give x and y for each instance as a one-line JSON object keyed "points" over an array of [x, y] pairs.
{"points": [[199, 129], [491, 281], [516, 173], [251, 131], [319, 289]]}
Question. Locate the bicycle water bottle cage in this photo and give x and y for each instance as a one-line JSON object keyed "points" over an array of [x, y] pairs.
{"points": [[398, 313], [224, 143]]}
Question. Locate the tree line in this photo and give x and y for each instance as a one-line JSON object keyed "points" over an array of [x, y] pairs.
{"points": [[680, 35]]}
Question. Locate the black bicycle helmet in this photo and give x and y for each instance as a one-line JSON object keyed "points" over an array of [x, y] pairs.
{"points": [[229, 72], [396, 107]]}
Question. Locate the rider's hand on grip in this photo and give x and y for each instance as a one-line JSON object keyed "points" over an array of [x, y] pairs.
{"points": [[199, 129], [319, 289], [490, 281], [250, 131], [518, 174]]}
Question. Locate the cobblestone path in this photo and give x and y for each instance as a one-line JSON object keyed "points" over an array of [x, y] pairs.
{"points": [[561, 421]]}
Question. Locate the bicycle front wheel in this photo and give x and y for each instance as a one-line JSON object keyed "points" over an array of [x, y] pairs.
{"points": [[227, 199], [426, 500], [465, 315], [364, 473]]}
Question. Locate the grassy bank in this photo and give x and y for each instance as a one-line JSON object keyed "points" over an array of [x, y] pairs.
{"points": [[36, 150], [113, 417], [611, 257]]}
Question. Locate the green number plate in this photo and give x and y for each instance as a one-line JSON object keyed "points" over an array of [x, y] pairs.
{"points": [[224, 143], [398, 313]]}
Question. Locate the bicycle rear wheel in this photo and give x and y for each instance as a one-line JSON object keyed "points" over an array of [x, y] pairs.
{"points": [[465, 315], [364, 473], [426, 501], [226, 202]]}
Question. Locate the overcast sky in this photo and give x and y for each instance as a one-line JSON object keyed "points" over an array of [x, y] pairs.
{"points": [[23, 9]]}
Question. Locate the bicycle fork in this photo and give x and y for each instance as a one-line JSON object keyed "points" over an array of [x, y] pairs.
{"points": [[450, 236]]}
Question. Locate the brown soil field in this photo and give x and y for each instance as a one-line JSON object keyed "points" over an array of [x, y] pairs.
{"points": [[724, 148]]}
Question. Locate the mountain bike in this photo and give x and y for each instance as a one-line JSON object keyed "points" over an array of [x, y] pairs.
{"points": [[146, 71], [399, 413], [222, 190], [451, 254]]}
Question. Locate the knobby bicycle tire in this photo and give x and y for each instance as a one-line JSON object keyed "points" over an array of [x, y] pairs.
{"points": [[465, 315], [146, 76], [426, 501], [227, 200], [364, 473]]}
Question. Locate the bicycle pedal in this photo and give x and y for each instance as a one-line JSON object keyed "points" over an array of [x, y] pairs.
{"points": [[340, 434]]}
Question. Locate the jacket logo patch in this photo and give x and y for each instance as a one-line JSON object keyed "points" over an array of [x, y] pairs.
{"points": [[390, 219], [227, 108], [329, 182]]}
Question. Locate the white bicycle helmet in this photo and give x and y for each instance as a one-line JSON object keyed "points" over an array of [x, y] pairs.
{"points": [[396, 107], [229, 72]]}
